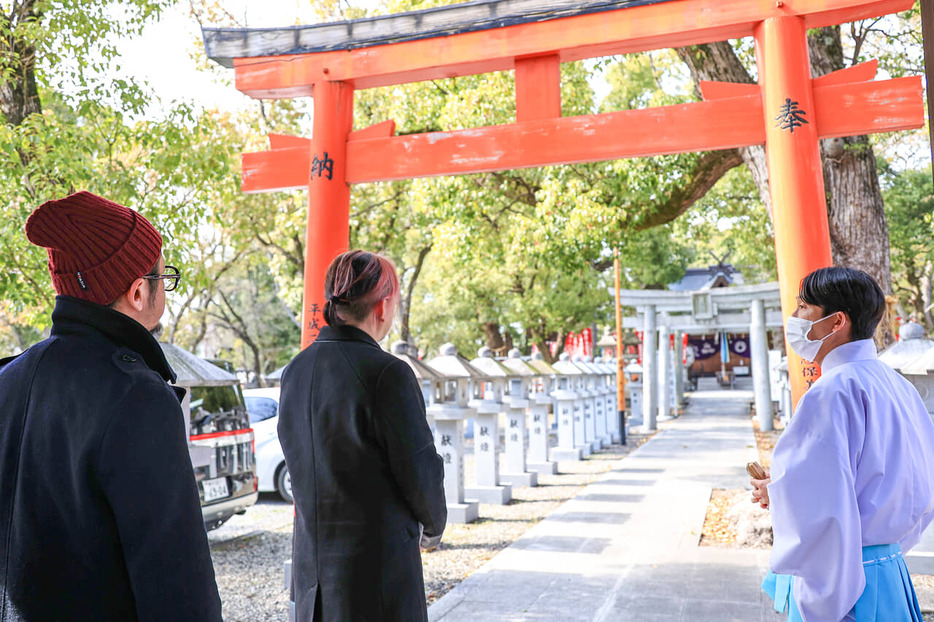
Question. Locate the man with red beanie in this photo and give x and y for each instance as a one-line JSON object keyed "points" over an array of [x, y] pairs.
{"points": [[99, 511]]}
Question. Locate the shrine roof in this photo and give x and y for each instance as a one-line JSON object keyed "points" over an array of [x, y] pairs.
{"points": [[542, 367], [708, 278], [224, 44], [194, 371]]}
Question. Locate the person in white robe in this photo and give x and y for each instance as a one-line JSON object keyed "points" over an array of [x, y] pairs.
{"points": [[852, 481]]}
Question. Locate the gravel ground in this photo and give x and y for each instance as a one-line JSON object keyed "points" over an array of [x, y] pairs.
{"points": [[249, 550]]}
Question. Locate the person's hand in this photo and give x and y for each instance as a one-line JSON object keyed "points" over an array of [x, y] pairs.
{"points": [[760, 492], [428, 543]]}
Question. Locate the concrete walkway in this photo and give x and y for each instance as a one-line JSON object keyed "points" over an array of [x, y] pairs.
{"points": [[626, 547]]}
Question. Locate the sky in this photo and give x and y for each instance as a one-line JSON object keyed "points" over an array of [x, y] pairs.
{"points": [[164, 55]]}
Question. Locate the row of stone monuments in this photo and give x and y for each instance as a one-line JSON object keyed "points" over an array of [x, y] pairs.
{"points": [[581, 394]]}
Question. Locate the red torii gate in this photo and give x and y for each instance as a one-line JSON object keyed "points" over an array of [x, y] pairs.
{"points": [[787, 111]]}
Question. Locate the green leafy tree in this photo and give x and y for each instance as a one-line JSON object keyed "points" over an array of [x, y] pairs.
{"points": [[909, 203], [262, 332]]}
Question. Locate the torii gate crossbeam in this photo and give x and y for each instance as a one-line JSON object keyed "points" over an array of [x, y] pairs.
{"points": [[787, 111]]}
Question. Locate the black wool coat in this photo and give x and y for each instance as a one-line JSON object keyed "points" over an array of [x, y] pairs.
{"points": [[99, 512], [364, 474]]}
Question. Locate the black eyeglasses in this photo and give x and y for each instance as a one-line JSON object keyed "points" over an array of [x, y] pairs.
{"points": [[170, 276]]}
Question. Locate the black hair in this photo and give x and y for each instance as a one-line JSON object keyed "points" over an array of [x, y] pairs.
{"points": [[848, 290]]}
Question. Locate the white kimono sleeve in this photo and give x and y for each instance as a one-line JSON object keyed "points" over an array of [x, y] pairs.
{"points": [[815, 517]]}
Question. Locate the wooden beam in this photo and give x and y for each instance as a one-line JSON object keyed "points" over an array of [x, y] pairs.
{"points": [[869, 107], [700, 126], [286, 141], [722, 90], [862, 72], [384, 129], [841, 110], [278, 169], [538, 88], [635, 29], [286, 165]]}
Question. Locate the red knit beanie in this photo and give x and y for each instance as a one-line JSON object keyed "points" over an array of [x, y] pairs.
{"points": [[97, 248]]}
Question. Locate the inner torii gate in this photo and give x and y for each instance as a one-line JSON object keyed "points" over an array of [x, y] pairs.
{"points": [[787, 111]]}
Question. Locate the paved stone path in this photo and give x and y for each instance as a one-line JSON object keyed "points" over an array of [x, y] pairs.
{"points": [[626, 547]]}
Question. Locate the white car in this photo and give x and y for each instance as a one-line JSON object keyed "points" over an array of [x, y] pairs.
{"points": [[271, 472]]}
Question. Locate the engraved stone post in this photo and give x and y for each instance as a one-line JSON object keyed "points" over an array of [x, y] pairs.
{"points": [[449, 410]]}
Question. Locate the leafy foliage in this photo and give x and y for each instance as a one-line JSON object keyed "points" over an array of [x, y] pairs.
{"points": [[909, 202]]}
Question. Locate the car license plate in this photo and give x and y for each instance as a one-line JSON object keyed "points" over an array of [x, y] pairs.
{"points": [[215, 489]]}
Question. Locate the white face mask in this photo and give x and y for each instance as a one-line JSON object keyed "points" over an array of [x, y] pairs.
{"points": [[796, 335]]}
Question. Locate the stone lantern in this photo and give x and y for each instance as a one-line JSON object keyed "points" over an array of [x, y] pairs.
{"points": [[921, 374], [430, 381], [568, 411], [540, 400], [608, 366], [912, 344], [586, 426], [491, 486], [598, 387], [784, 383], [518, 391], [570, 395], [545, 381], [460, 383], [633, 373], [913, 357]]}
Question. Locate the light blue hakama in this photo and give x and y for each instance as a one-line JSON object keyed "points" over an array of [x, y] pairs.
{"points": [[889, 594]]}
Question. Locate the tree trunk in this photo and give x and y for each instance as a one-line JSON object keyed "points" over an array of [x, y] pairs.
{"points": [[859, 233], [257, 365], [858, 230], [405, 305], [926, 301], [233, 322], [543, 349], [19, 95], [494, 338], [541, 342]]}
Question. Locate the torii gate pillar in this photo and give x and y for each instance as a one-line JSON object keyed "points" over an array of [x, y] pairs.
{"points": [[328, 231], [796, 180]]}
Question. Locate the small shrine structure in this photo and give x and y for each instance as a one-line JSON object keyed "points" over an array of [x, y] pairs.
{"points": [[659, 313]]}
